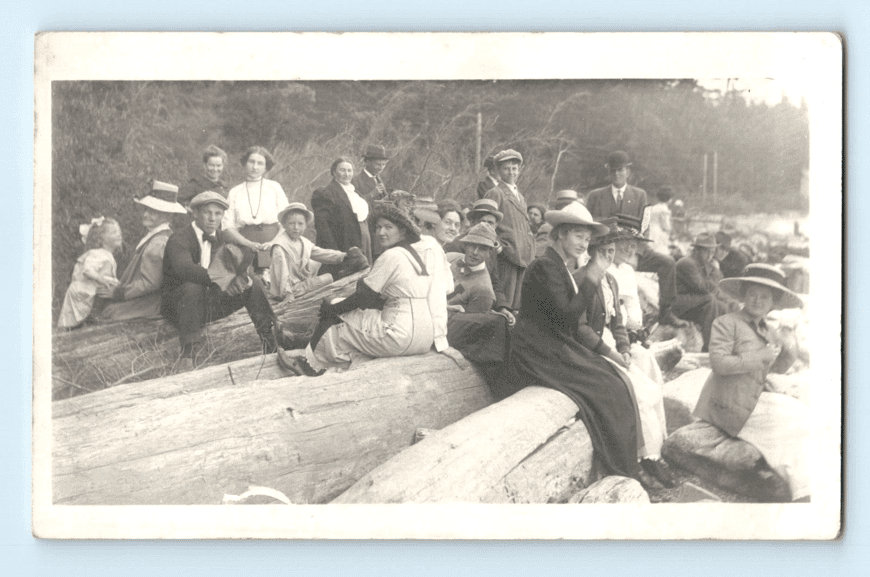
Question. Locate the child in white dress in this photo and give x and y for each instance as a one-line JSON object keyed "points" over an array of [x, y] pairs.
{"points": [[95, 268]]}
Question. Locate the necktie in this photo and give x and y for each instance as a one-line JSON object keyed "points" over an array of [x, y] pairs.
{"points": [[619, 200], [382, 191]]}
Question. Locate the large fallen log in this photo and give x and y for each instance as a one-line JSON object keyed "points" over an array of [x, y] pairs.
{"points": [[101, 356], [471, 460], [310, 438]]}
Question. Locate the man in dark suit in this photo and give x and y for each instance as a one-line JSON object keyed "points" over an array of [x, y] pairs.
{"points": [[368, 182], [338, 226], [189, 297], [620, 198], [491, 180]]}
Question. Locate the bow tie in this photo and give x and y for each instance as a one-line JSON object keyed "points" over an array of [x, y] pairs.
{"points": [[210, 238]]}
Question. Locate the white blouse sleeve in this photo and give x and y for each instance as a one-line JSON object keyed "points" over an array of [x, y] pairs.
{"points": [[229, 220], [441, 285]]}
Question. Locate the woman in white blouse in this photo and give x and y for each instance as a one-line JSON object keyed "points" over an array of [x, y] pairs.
{"points": [[251, 221], [341, 214]]}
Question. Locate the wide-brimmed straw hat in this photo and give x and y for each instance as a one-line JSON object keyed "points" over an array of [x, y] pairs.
{"points": [[575, 213], [705, 240], [398, 210], [296, 207], [163, 197], [209, 197], [485, 206], [765, 275], [481, 233]]}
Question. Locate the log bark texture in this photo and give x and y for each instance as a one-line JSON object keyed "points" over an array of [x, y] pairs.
{"points": [[101, 356], [310, 438], [471, 460]]}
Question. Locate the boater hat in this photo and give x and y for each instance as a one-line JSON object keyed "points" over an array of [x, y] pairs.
{"points": [[765, 275], [296, 207], [485, 206], [481, 233], [209, 197], [163, 197], [398, 211], [575, 213]]}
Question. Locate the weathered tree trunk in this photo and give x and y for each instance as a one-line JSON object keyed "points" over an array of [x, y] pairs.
{"points": [[310, 438], [102, 356], [472, 460]]}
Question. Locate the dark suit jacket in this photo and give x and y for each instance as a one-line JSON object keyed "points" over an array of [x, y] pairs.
{"points": [[199, 184], [181, 261], [601, 204], [518, 243], [484, 186], [592, 320], [336, 223], [367, 187]]}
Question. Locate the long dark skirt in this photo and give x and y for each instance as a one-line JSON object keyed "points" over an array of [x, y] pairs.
{"points": [[602, 396], [480, 337]]}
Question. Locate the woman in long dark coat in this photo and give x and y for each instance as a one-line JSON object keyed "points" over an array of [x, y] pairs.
{"points": [[546, 351]]}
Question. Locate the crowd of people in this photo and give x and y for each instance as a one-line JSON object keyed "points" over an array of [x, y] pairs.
{"points": [[531, 296]]}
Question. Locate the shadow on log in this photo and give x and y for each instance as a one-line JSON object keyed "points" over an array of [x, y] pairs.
{"points": [[102, 356], [310, 438], [479, 459]]}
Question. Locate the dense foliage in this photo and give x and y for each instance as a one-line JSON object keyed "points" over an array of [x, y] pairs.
{"points": [[110, 138]]}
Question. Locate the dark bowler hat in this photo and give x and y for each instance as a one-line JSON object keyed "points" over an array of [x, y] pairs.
{"points": [[208, 197], [375, 152], [765, 275], [163, 197], [617, 159]]}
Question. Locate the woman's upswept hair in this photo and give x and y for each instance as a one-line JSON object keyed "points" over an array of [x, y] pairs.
{"points": [[338, 161], [449, 205], [261, 150], [212, 150]]}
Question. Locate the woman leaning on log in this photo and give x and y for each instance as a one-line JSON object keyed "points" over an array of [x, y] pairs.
{"points": [[547, 350], [399, 309], [251, 221], [737, 397]]}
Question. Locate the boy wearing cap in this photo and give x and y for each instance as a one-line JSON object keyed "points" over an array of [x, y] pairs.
{"points": [[697, 278], [518, 243], [189, 296], [368, 183], [137, 295]]}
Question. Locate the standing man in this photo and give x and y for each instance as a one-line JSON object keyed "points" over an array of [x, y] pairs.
{"points": [[622, 198], [491, 180], [698, 276], [518, 242], [190, 299], [368, 182], [137, 295]]}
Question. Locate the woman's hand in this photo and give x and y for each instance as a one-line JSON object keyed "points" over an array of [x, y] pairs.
{"points": [[456, 356], [627, 356], [617, 358], [769, 353], [110, 282], [506, 313], [455, 309]]}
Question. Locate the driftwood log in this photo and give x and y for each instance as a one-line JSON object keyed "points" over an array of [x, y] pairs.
{"points": [[474, 459], [310, 438], [102, 356]]}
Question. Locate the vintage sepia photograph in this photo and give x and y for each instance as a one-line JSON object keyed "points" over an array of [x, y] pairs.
{"points": [[488, 286]]}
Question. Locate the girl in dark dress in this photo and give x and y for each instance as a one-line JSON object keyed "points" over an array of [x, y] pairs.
{"points": [[546, 351]]}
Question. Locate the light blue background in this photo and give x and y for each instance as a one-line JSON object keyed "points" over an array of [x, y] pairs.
{"points": [[22, 554]]}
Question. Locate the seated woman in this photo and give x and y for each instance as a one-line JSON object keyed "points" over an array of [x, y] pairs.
{"points": [[601, 330], [296, 260], [95, 269], [478, 332], [251, 221], [736, 397], [399, 309], [547, 350]]}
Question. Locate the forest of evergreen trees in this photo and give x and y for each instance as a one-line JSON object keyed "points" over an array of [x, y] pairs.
{"points": [[110, 138]]}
